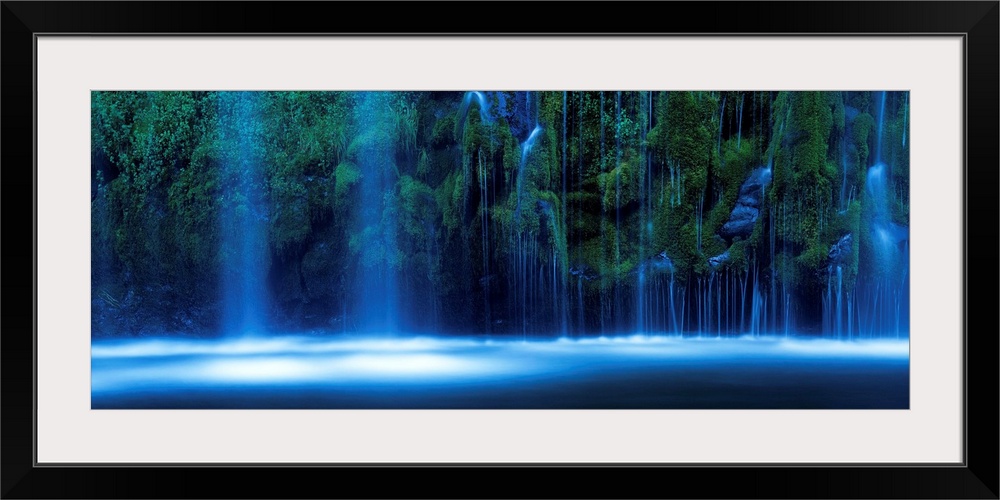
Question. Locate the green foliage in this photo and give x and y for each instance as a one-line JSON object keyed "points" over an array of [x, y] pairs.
{"points": [[346, 175], [290, 224], [738, 258], [836, 102], [417, 207], [193, 199], [447, 195], [863, 127], [689, 143], [423, 164], [802, 179], [444, 131], [621, 186], [814, 256]]}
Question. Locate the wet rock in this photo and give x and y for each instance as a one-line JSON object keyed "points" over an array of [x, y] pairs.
{"points": [[661, 262], [841, 250], [747, 210], [718, 260]]}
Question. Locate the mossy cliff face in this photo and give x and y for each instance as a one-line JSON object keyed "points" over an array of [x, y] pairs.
{"points": [[500, 212]]}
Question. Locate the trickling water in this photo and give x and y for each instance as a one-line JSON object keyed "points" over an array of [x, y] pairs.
{"points": [[840, 293], [878, 303], [527, 280], [485, 242], [739, 133]]}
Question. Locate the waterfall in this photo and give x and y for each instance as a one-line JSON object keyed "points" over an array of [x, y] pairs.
{"points": [[529, 276], [243, 223], [840, 294], [376, 282], [881, 119], [887, 295]]}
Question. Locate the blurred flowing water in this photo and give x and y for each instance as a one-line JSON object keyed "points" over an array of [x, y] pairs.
{"points": [[628, 372]]}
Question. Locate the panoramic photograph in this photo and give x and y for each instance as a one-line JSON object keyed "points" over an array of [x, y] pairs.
{"points": [[487, 250]]}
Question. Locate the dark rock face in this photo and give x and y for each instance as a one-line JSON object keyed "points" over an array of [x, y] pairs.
{"points": [[318, 278], [841, 250], [151, 310], [747, 210]]}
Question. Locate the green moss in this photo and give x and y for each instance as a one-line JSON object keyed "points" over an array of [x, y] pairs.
{"points": [[620, 186], [423, 164], [417, 207], [738, 258], [346, 175], [862, 128], [290, 213], [814, 256], [444, 131]]}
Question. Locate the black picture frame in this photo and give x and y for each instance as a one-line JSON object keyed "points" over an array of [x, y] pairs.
{"points": [[978, 23]]}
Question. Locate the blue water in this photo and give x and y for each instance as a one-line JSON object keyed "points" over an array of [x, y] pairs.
{"points": [[636, 372]]}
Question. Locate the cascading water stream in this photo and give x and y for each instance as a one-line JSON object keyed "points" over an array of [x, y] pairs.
{"points": [[525, 249], [378, 302], [525, 149], [881, 119], [244, 219]]}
